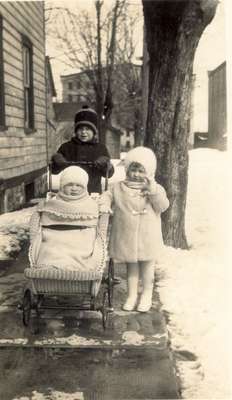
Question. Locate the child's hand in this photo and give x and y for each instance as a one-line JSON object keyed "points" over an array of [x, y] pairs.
{"points": [[102, 161], [150, 187], [59, 160]]}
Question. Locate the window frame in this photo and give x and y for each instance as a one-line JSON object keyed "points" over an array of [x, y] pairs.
{"points": [[28, 84]]}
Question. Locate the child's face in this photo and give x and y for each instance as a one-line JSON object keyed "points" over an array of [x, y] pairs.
{"points": [[84, 133], [73, 189], [136, 172]]}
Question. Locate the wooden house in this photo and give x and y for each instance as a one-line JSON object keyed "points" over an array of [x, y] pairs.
{"points": [[23, 135]]}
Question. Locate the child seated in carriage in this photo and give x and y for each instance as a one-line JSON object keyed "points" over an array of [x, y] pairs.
{"points": [[64, 229]]}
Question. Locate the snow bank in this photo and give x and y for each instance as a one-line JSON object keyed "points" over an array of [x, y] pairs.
{"points": [[14, 228], [195, 286], [52, 395]]}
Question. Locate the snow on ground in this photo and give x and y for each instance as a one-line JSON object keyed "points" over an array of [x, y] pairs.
{"points": [[194, 287], [52, 395], [14, 228], [193, 284]]}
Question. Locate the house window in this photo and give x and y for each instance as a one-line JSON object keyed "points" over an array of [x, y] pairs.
{"points": [[70, 99], [70, 85], [29, 191], [28, 83], [2, 100]]}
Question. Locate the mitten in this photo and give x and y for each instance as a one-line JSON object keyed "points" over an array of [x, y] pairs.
{"points": [[102, 161], [59, 160], [150, 187]]}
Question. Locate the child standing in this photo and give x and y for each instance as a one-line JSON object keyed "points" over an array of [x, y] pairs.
{"points": [[84, 146], [136, 237]]}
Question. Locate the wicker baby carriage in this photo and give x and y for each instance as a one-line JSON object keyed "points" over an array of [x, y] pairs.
{"points": [[42, 284]]}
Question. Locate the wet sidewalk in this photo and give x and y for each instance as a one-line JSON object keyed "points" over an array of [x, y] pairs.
{"points": [[73, 354]]}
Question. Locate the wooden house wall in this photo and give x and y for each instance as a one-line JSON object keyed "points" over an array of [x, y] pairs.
{"points": [[20, 152]]}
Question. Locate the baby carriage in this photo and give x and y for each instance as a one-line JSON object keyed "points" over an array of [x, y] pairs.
{"points": [[44, 283]]}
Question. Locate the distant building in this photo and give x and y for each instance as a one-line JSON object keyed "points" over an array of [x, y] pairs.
{"points": [[23, 137], [76, 88], [217, 104], [127, 140]]}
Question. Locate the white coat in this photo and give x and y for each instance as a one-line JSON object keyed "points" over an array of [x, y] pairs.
{"points": [[136, 225]]}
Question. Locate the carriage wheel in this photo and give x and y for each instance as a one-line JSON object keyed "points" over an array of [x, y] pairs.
{"points": [[110, 285], [38, 303], [26, 308], [104, 310]]}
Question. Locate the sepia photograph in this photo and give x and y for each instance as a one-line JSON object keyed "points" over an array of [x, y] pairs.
{"points": [[115, 197]]}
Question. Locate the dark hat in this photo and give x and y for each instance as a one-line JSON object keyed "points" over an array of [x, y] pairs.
{"points": [[86, 116]]}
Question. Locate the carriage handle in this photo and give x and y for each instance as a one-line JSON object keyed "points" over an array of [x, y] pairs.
{"points": [[78, 163]]}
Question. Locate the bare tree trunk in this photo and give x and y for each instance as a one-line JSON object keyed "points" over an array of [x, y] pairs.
{"points": [[173, 31], [138, 138], [99, 85]]}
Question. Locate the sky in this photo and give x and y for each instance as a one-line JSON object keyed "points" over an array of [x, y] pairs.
{"points": [[210, 53], [57, 60]]}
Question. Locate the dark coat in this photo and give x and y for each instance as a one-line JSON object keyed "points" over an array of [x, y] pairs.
{"points": [[76, 150]]}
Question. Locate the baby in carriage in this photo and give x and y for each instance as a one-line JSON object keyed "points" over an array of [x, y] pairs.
{"points": [[64, 229]]}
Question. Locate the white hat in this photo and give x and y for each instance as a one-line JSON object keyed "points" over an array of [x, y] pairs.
{"points": [[143, 156], [74, 174]]}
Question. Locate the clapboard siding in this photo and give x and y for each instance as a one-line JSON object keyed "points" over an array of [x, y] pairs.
{"points": [[13, 46], [20, 142], [23, 22], [17, 162], [13, 40], [39, 86], [22, 152], [33, 166], [14, 72], [11, 80], [12, 59], [14, 99], [28, 18], [16, 111], [6, 153], [18, 133], [7, 163]]}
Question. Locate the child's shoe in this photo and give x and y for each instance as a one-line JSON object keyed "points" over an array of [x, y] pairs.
{"points": [[130, 304], [145, 303]]}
